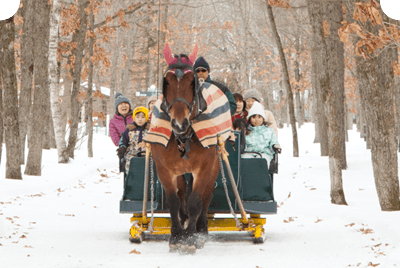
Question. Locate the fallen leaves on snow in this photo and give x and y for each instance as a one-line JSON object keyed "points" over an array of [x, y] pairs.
{"points": [[350, 224], [366, 231], [134, 252], [373, 265]]}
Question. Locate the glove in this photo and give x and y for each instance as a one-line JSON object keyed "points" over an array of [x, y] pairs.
{"points": [[277, 149], [121, 152]]}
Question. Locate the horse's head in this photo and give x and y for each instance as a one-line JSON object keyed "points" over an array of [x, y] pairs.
{"points": [[180, 90]]}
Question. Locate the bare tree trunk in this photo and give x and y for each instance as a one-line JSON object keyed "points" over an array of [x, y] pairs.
{"points": [[11, 124], [79, 38], [47, 119], [25, 98], [66, 102], [89, 123], [335, 100], [41, 63], [320, 73], [285, 80], [299, 104], [54, 75], [113, 85], [375, 76], [1, 104]]}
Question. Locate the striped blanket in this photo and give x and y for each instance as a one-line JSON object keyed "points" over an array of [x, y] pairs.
{"points": [[215, 120]]}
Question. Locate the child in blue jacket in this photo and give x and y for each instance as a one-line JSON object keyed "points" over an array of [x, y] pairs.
{"points": [[261, 139]]}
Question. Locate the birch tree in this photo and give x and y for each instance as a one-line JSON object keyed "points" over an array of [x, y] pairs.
{"points": [[54, 84], [8, 73]]}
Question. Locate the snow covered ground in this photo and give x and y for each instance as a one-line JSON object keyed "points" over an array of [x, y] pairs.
{"points": [[69, 217]]}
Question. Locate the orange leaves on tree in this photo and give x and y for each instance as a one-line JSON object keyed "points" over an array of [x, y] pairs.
{"points": [[18, 20], [70, 20], [325, 24], [279, 3], [368, 11], [98, 94], [396, 68]]}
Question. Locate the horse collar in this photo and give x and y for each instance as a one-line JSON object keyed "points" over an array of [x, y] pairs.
{"points": [[184, 143]]}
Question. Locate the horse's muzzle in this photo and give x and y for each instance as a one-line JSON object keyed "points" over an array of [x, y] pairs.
{"points": [[180, 128]]}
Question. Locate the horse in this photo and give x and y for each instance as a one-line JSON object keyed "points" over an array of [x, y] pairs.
{"points": [[184, 153]]}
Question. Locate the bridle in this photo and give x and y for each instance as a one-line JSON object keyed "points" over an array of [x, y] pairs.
{"points": [[180, 69]]}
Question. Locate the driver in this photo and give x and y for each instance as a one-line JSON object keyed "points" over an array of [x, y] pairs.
{"points": [[131, 141], [203, 71]]}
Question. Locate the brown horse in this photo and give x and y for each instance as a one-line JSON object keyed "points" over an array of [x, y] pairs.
{"points": [[185, 154]]}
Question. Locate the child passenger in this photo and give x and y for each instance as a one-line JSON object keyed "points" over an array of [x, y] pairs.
{"points": [[131, 141], [261, 139]]}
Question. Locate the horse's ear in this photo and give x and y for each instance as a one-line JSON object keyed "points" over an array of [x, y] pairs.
{"points": [[193, 55], [168, 54]]}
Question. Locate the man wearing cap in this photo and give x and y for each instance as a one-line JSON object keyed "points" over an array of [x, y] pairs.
{"points": [[251, 96], [202, 69]]}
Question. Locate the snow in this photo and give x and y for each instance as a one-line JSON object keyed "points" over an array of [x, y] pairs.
{"points": [[69, 217]]}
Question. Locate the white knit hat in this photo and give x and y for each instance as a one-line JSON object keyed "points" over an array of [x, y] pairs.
{"points": [[257, 108]]}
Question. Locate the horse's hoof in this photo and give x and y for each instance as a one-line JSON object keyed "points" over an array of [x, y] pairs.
{"points": [[200, 243], [185, 249], [191, 249], [173, 248]]}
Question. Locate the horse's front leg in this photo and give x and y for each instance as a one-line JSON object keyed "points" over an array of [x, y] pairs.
{"points": [[174, 205]]}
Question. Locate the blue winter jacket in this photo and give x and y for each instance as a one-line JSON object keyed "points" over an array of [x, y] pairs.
{"points": [[261, 139]]}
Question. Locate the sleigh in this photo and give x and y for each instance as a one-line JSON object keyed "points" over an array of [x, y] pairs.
{"points": [[254, 184]]}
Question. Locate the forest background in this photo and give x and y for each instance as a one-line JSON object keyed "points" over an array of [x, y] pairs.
{"points": [[333, 63]]}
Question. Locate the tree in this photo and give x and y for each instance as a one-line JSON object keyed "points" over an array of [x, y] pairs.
{"points": [[8, 74], [54, 84], [286, 81], [1, 105], [335, 98], [76, 62], [320, 73], [25, 99], [375, 78], [89, 123], [41, 65]]}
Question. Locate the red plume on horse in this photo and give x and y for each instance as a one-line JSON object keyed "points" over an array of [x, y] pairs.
{"points": [[186, 121]]}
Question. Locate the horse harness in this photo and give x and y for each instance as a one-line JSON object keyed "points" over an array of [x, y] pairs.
{"points": [[180, 69]]}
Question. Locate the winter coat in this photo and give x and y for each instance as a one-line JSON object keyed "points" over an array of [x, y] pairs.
{"points": [[269, 117], [242, 114], [228, 94], [118, 125], [131, 137], [261, 139]]}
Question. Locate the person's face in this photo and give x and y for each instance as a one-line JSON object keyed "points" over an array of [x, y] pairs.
{"points": [[249, 103], [123, 108], [151, 105], [257, 120], [140, 119], [202, 73], [239, 106]]}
